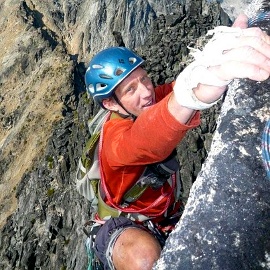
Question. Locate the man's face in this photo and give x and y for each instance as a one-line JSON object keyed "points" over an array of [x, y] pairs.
{"points": [[136, 92]]}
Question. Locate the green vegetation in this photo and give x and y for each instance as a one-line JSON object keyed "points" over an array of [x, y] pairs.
{"points": [[50, 162], [50, 192]]}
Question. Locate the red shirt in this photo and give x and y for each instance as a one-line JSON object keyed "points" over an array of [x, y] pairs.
{"points": [[129, 146]]}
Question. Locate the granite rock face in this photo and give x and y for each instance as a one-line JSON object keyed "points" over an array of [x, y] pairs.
{"points": [[226, 222]]}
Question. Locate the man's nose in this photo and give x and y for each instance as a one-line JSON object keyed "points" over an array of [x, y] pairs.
{"points": [[145, 91]]}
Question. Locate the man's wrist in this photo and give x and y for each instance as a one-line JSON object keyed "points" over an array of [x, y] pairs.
{"points": [[189, 79]]}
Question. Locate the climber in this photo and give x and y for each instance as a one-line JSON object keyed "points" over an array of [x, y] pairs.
{"points": [[144, 129]]}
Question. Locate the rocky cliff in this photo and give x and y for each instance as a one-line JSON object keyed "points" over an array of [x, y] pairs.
{"points": [[45, 47], [225, 224]]}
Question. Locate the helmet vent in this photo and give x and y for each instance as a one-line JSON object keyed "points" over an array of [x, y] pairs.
{"points": [[105, 76], [119, 71], [100, 86], [132, 60], [91, 88], [97, 66]]}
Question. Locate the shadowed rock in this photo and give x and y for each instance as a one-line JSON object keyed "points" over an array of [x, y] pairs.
{"points": [[226, 223]]}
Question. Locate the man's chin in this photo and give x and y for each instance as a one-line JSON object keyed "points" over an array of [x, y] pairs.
{"points": [[145, 109]]}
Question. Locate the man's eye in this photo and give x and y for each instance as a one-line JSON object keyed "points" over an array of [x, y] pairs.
{"points": [[130, 89], [144, 78]]}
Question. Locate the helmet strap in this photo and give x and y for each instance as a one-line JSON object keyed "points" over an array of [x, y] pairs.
{"points": [[123, 107]]}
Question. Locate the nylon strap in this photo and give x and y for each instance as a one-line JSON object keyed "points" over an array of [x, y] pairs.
{"points": [[88, 156]]}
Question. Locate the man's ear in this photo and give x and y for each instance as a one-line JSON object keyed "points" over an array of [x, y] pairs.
{"points": [[110, 104]]}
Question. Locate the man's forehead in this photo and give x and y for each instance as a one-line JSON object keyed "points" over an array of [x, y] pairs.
{"points": [[135, 74]]}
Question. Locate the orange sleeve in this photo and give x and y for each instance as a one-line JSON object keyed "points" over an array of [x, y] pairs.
{"points": [[151, 138]]}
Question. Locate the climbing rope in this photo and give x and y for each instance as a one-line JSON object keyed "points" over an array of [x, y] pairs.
{"points": [[266, 147], [260, 17], [93, 261]]}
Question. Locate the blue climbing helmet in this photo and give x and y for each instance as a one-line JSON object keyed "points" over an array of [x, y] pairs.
{"points": [[107, 69]]}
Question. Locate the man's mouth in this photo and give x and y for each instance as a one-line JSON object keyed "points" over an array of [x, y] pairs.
{"points": [[150, 103]]}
